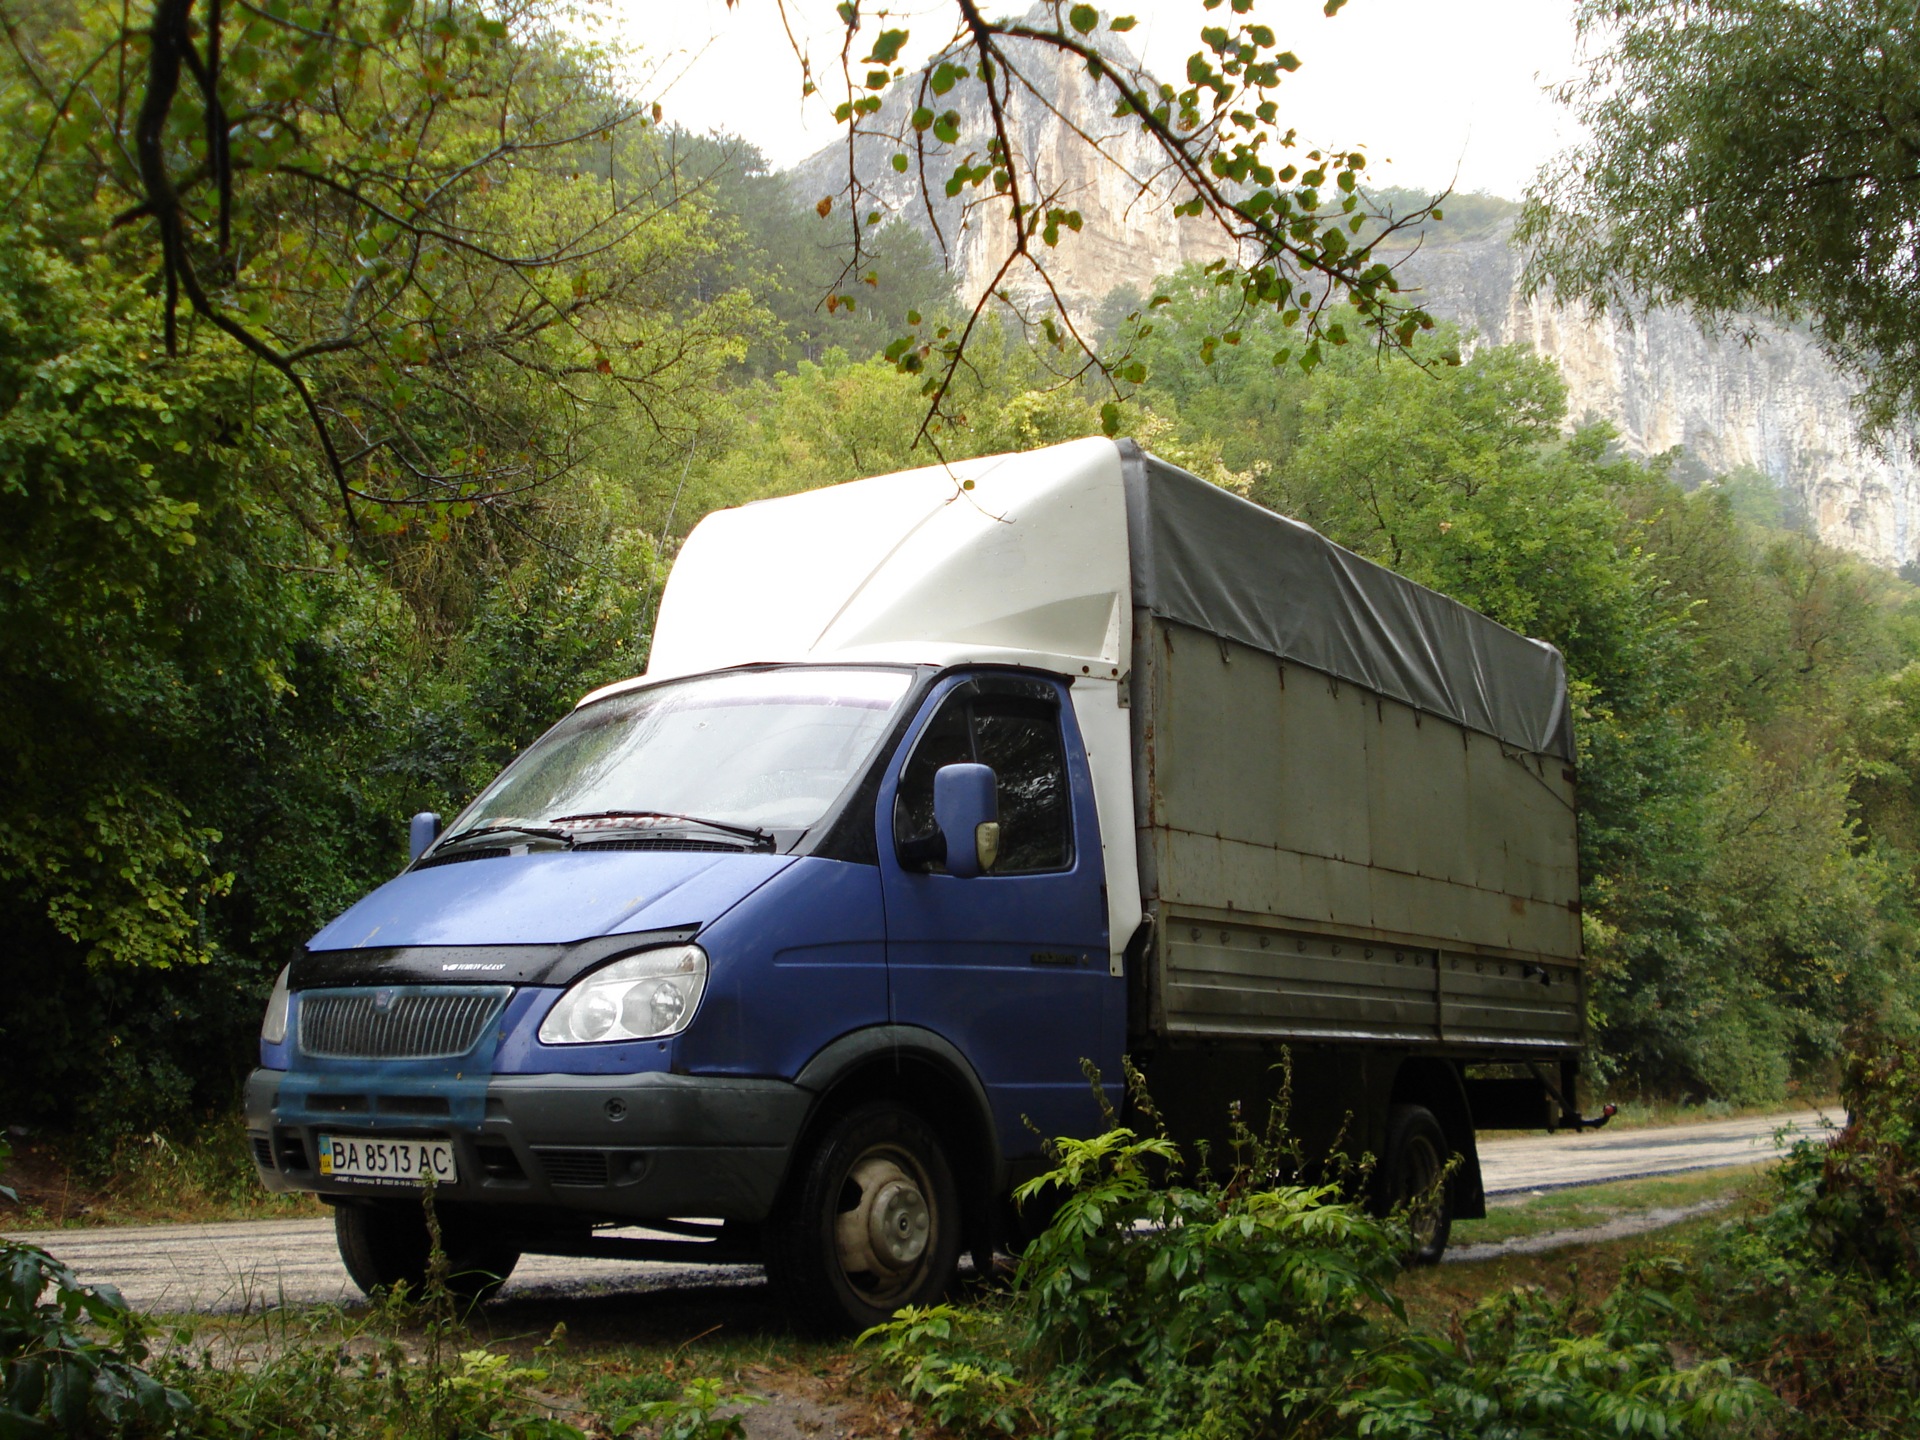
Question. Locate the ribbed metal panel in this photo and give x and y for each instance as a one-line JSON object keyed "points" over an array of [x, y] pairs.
{"points": [[422, 1024]]}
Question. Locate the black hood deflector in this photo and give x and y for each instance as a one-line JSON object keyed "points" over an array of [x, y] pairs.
{"points": [[473, 964]]}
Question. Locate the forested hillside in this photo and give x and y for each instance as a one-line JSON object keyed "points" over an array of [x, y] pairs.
{"points": [[256, 610]]}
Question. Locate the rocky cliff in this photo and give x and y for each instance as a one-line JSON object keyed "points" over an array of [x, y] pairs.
{"points": [[1773, 404]]}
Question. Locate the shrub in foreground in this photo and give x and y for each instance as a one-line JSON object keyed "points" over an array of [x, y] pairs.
{"points": [[1237, 1306]]}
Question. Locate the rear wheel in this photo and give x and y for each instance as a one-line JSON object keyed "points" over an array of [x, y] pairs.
{"points": [[872, 1222], [383, 1245], [1415, 1155]]}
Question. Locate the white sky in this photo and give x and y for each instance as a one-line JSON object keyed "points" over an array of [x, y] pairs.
{"points": [[1438, 92]]}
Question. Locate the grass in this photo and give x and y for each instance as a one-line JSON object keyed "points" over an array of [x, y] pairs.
{"points": [[1513, 1217], [153, 1180], [1437, 1294], [583, 1360]]}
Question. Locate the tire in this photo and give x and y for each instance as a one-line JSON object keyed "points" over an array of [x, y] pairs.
{"points": [[871, 1222], [383, 1245], [1416, 1152]]}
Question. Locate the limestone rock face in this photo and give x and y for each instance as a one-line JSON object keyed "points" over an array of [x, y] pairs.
{"points": [[1774, 404]]}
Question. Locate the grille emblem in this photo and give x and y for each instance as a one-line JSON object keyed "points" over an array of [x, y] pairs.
{"points": [[382, 1001]]}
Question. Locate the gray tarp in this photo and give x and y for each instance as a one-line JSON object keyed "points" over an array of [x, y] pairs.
{"points": [[1206, 558]]}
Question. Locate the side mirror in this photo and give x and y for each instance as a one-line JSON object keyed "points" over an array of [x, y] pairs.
{"points": [[422, 831], [966, 808]]}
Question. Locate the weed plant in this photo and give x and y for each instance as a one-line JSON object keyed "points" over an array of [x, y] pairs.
{"points": [[1231, 1303], [1820, 1294]]}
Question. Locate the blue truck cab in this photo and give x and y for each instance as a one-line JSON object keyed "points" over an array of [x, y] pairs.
{"points": [[943, 792]]}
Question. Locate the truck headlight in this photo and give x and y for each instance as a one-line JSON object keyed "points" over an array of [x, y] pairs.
{"points": [[642, 997], [273, 1026]]}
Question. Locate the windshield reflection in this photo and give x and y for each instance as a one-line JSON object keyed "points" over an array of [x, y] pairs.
{"points": [[730, 754]]}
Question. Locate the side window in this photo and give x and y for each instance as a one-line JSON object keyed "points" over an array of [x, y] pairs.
{"points": [[946, 742], [1020, 739]]}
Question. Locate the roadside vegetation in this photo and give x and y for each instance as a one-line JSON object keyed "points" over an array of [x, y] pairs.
{"points": [[1163, 1300]]}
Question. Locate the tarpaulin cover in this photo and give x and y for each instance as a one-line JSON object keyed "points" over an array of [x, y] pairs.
{"points": [[1204, 557]]}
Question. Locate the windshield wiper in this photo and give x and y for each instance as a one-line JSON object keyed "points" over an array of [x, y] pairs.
{"points": [[539, 832], [745, 832]]}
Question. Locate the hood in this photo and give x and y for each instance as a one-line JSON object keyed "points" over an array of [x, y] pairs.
{"points": [[550, 897]]}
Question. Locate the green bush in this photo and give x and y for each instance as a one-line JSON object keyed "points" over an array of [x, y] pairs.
{"points": [[1232, 1305], [1819, 1295], [71, 1357]]}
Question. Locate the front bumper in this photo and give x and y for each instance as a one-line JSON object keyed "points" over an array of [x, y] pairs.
{"points": [[637, 1147]]}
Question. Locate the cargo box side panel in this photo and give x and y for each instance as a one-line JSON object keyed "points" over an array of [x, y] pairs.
{"points": [[1326, 860]]}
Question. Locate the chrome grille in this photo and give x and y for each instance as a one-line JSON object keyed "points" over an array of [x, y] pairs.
{"points": [[435, 1024]]}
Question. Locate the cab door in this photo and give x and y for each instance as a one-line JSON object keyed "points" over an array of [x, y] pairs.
{"points": [[1011, 966]]}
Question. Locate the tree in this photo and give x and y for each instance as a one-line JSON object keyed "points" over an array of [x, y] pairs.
{"points": [[410, 213], [1749, 157], [1296, 234]]}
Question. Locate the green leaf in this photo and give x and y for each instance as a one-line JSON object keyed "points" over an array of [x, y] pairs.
{"points": [[1083, 18], [900, 163], [1120, 24], [887, 48]]}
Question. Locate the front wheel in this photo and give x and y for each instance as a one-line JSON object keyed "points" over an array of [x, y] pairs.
{"points": [[1411, 1172], [871, 1224], [385, 1244]]}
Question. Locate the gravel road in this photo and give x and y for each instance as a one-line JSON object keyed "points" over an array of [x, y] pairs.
{"points": [[252, 1265], [1555, 1162]]}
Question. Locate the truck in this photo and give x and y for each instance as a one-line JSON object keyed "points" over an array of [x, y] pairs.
{"points": [[945, 795]]}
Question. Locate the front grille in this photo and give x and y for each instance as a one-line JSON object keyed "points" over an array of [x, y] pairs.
{"points": [[435, 1024], [574, 1167]]}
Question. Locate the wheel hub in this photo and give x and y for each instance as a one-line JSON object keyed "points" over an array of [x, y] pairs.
{"points": [[885, 1230], [897, 1224]]}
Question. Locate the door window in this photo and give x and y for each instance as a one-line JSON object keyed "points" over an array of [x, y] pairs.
{"points": [[1020, 739]]}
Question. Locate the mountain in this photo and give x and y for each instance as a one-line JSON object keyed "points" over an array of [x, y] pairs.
{"points": [[1773, 404], [1131, 234]]}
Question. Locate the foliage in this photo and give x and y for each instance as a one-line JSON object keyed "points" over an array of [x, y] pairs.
{"points": [[408, 214], [408, 1368], [1305, 245], [789, 257], [1747, 157], [1240, 1307], [214, 716], [1816, 1295], [71, 1357]]}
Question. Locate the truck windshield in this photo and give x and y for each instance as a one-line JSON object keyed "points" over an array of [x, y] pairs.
{"points": [[761, 750]]}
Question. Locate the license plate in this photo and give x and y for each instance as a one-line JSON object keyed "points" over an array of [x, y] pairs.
{"points": [[380, 1161]]}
